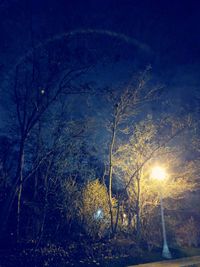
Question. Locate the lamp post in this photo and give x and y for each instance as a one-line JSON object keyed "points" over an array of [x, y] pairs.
{"points": [[159, 174]]}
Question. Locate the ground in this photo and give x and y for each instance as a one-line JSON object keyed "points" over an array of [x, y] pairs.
{"points": [[105, 254]]}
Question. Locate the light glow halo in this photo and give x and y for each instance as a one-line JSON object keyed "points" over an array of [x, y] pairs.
{"points": [[158, 173]]}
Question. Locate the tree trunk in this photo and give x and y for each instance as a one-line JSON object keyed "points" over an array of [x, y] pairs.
{"points": [[20, 196], [117, 216], [46, 185], [16, 188], [110, 176], [138, 209]]}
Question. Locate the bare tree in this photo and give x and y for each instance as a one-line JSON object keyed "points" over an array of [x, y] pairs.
{"points": [[39, 82], [126, 105]]}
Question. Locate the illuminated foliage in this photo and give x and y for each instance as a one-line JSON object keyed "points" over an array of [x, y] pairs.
{"points": [[133, 164], [95, 209]]}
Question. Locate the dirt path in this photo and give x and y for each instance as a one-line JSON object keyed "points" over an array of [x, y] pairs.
{"points": [[183, 262]]}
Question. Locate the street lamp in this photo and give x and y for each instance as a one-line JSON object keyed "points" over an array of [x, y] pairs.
{"points": [[159, 174]]}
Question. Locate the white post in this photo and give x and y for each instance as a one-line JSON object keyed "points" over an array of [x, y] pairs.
{"points": [[165, 253]]}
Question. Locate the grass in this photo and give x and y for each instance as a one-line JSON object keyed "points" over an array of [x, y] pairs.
{"points": [[112, 255], [190, 252]]}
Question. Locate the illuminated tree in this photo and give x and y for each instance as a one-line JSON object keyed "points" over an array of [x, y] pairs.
{"points": [[150, 143], [125, 104], [95, 210]]}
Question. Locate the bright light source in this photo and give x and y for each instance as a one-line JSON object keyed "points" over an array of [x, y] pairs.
{"points": [[98, 214], [158, 173]]}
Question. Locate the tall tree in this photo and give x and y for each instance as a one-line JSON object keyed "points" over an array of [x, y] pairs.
{"points": [[125, 104], [39, 82]]}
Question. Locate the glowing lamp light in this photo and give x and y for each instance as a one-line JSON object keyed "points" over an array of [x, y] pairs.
{"points": [[158, 173], [98, 214]]}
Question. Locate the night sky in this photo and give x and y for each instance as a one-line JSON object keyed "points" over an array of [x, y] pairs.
{"points": [[97, 89], [164, 34]]}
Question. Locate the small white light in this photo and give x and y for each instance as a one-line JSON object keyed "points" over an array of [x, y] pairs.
{"points": [[99, 214], [42, 92]]}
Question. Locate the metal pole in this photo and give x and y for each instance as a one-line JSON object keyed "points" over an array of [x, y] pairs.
{"points": [[165, 253]]}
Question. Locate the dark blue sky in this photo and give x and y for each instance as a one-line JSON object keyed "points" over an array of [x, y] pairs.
{"points": [[169, 29]]}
